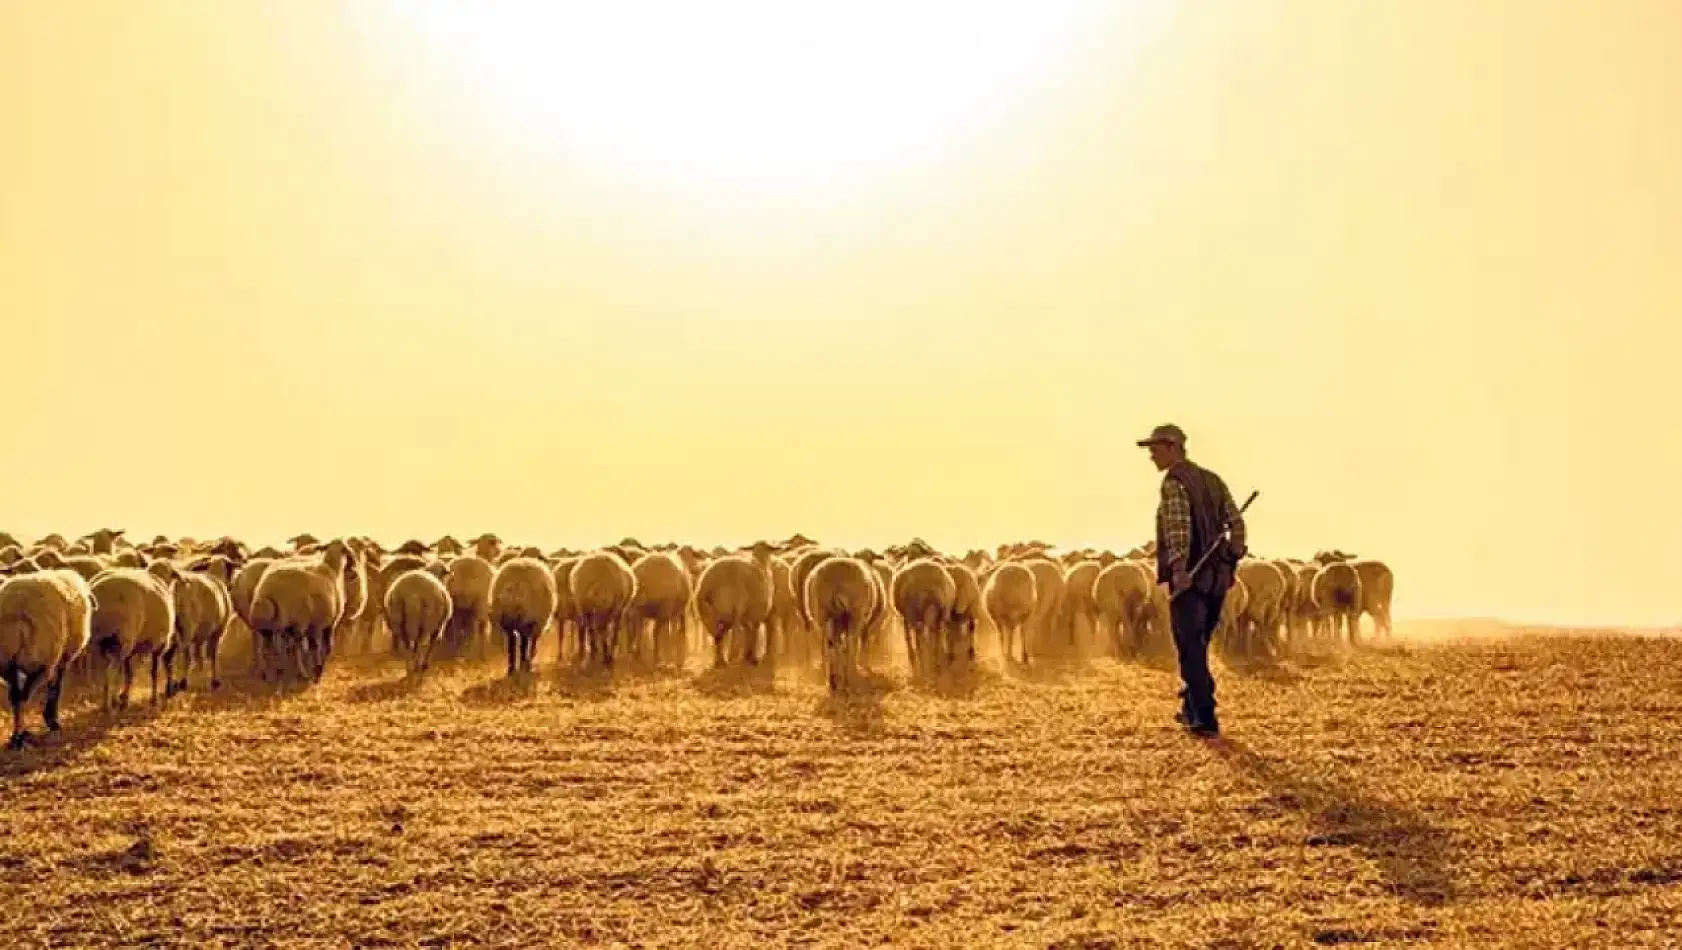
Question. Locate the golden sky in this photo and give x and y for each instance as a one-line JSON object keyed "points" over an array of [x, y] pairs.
{"points": [[1412, 268]]}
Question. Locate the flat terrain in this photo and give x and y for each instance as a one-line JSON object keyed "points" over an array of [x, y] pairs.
{"points": [[1524, 791]]}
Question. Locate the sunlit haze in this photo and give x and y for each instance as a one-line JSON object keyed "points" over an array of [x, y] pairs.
{"points": [[718, 271]]}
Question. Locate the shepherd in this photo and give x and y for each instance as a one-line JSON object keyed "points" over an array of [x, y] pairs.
{"points": [[1200, 538]]}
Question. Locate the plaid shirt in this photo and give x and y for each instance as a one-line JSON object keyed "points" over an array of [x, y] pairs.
{"points": [[1176, 519]]}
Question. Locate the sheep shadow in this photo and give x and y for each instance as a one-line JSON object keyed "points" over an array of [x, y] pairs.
{"points": [[857, 711], [1153, 658], [1412, 855], [244, 691], [385, 691], [959, 682], [733, 681], [1315, 656], [501, 691], [591, 682], [1048, 670], [46, 751], [1260, 668]]}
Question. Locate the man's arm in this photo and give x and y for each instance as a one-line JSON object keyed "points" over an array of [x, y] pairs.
{"points": [[1176, 521], [1235, 521]]}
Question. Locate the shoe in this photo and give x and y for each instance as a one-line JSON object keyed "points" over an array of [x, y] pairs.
{"points": [[1207, 729]]}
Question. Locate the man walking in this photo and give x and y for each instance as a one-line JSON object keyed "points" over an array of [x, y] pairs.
{"points": [[1195, 514]]}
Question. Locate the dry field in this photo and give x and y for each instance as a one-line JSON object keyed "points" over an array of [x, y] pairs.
{"points": [[1509, 792]]}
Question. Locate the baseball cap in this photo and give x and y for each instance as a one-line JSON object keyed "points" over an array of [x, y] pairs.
{"points": [[1165, 433]]}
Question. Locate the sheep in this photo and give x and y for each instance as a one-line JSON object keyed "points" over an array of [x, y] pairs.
{"points": [[522, 601], [733, 598], [1228, 626], [566, 609], [417, 608], [89, 566], [840, 597], [662, 597], [802, 568], [359, 610], [242, 590], [923, 593], [602, 586], [104, 541], [1336, 597], [133, 616], [381, 575], [45, 624], [300, 601], [966, 608], [1123, 597], [1048, 603], [1011, 596], [1080, 608], [1378, 586], [786, 634], [1300, 622], [469, 580], [487, 547], [1257, 624], [202, 609]]}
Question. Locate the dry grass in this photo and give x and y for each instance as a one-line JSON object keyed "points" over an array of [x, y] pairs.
{"points": [[1503, 793]]}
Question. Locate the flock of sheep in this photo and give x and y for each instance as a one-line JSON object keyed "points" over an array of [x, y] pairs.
{"points": [[82, 610]]}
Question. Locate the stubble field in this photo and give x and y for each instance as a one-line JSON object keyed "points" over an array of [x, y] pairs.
{"points": [[1512, 792]]}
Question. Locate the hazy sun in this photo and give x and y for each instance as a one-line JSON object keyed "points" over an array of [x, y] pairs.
{"points": [[772, 92]]}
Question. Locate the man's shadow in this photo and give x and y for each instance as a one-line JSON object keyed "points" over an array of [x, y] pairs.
{"points": [[1412, 855]]}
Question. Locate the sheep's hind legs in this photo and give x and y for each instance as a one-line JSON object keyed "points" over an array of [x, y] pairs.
{"points": [[18, 686], [49, 712]]}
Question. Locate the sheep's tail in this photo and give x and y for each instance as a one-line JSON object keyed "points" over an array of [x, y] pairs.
{"points": [[1344, 597], [17, 627], [264, 611], [840, 605], [396, 617]]}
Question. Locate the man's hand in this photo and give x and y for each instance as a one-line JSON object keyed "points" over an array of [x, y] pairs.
{"points": [[1179, 580]]}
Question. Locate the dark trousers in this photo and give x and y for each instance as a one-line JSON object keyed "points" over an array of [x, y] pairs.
{"points": [[1193, 616]]}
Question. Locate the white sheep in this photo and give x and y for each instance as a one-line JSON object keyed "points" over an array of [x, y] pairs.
{"points": [[300, 602], [381, 575], [134, 616], [602, 586], [469, 579], [1010, 596], [1336, 592], [966, 610], [1378, 587], [923, 592], [567, 620], [1079, 614], [241, 591], [733, 598], [1048, 605], [1123, 596], [876, 628], [522, 602], [45, 623], [417, 608], [202, 609], [841, 595], [1257, 625], [662, 598]]}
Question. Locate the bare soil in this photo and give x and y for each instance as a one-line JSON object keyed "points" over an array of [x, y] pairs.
{"points": [[1519, 791]]}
